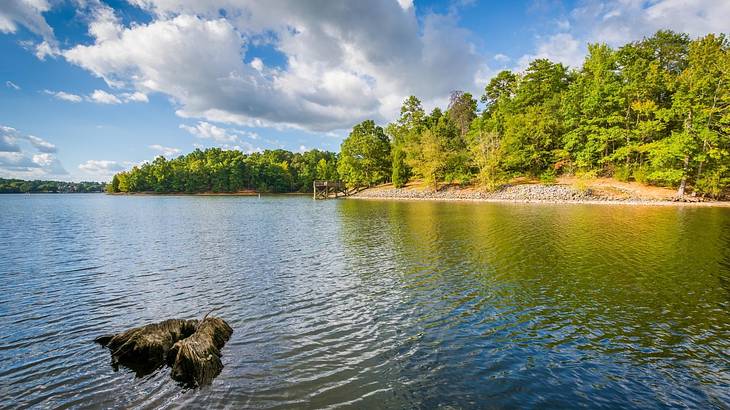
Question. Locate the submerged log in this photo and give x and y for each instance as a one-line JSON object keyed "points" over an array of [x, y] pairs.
{"points": [[190, 347], [196, 360], [144, 349]]}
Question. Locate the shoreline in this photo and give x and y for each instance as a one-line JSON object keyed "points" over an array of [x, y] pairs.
{"points": [[599, 192], [716, 204]]}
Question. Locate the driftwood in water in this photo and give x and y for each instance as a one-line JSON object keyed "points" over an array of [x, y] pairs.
{"points": [[196, 360], [190, 347], [144, 349]]}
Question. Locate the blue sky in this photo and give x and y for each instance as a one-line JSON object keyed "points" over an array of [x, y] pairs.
{"points": [[90, 87]]}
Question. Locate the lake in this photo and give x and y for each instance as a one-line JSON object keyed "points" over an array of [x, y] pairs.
{"points": [[370, 304]]}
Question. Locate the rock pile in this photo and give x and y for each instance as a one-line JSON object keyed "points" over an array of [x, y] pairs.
{"points": [[518, 193]]}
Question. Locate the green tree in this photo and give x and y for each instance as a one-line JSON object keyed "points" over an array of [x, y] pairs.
{"points": [[365, 156], [400, 169], [485, 148]]}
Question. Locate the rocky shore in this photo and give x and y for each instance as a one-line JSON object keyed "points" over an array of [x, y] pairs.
{"points": [[553, 193]]}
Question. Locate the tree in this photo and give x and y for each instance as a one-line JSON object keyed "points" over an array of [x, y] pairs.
{"points": [[432, 158], [594, 109], [462, 110], [400, 169], [702, 102], [365, 156], [486, 152], [114, 185]]}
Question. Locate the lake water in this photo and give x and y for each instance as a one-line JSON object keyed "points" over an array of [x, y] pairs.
{"points": [[370, 304]]}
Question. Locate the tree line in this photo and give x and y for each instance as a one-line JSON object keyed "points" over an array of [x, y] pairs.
{"points": [[656, 111], [19, 186], [217, 170]]}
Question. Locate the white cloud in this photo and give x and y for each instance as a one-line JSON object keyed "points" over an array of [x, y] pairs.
{"points": [[45, 49], [338, 72], [165, 151], [560, 47], [135, 97], [103, 97], [101, 168], [12, 85], [41, 144], [100, 97], [502, 58], [17, 163], [257, 64], [62, 95], [9, 138], [207, 130], [28, 13], [226, 138]]}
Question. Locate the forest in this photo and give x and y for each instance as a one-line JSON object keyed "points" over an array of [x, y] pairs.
{"points": [[19, 186], [655, 111]]}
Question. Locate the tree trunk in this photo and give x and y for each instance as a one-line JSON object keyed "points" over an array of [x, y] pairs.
{"points": [[683, 184]]}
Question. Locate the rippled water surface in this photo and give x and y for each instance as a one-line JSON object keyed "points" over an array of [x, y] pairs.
{"points": [[370, 304]]}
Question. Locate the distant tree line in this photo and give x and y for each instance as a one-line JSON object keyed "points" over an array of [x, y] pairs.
{"points": [[656, 111], [217, 170], [19, 186]]}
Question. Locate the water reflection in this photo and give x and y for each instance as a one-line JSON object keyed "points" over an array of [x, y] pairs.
{"points": [[596, 300], [370, 304]]}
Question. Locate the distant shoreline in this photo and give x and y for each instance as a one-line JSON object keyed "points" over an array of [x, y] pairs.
{"points": [[247, 193]]}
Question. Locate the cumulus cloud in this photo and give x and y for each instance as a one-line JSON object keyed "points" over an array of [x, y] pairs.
{"points": [[207, 130], [100, 97], [226, 138], [562, 47], [338, 69], [101, 168], [134, 97], [62, 95], [15, 162], [103, 97], [12, 85], [41, 144], [502, 58], [165, 151], [28, 13], [9, 138]]}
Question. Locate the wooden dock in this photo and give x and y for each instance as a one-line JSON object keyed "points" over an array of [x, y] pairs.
{"points": [[328, 189]]}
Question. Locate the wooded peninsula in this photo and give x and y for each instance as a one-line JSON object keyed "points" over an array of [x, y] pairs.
{"points": [[655, 111], [19, 186]]}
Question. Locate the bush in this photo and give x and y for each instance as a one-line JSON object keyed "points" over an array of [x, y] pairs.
{"points": [[622, 173], [641, 175], [548, 177], [583, 180], [714, 184], [458, 177]]}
